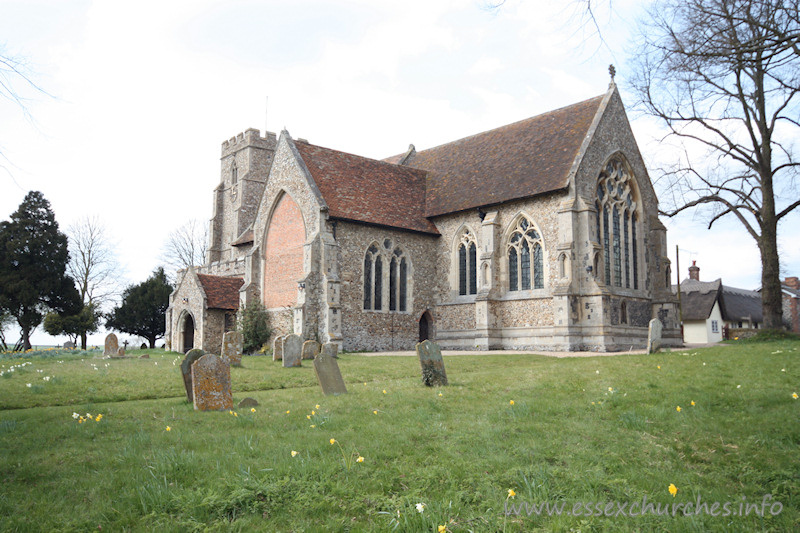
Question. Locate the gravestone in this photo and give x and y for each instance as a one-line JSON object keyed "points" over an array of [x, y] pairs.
{"points": [[330, 349], [430, 360], [328, 374], [248, 402], [211, 384], [310, 349], [143, 346], [654, 336], [232, 348], [144, 356], [69, 344], [186, 369], [277, 348], [292, 350], [121, 352], [112, 345]]}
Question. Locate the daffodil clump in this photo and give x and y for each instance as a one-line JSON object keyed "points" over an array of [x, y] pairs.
{"points": [[348, 458], [87, 417]]}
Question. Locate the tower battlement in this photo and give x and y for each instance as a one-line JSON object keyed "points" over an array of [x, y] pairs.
{"points": [[251, 137]]}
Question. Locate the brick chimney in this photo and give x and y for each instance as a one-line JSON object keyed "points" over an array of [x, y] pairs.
{"points": [[792, 283], [694, 271]]}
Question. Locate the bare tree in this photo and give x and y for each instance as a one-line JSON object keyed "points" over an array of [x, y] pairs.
{"points": [[93, 265], [186, 246], [723, 76]]}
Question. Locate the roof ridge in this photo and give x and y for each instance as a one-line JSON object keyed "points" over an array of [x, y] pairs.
{"points": [[351, 154], [509, 125]]}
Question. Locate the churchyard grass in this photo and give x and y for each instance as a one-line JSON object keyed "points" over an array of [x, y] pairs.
{"points": [[580, 430]]}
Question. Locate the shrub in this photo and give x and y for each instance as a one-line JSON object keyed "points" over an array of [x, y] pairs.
{"points": [[255, 327]]}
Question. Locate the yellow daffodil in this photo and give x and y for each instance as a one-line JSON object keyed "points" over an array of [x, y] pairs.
{"points": [[440, 394], [333, 441], [235, 414], [673, 489], [794, 395], [313, 425], [374, 412], [287, 412], [511, 402], [384, 391], [316, 406], [294, 453], [678, 408], [169, 428], [360, 459], [313, 412], [252, 409], [511, 493], [442, 529], [97, 419], [308, 416], [658, 367], [610, 389], [693, 404], [80, 421]]}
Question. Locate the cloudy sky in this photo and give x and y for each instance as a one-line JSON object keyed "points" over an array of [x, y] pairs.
{"points": [[141, 94]]}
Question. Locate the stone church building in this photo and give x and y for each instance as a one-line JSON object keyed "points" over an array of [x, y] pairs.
{"points": [[542, 234]]}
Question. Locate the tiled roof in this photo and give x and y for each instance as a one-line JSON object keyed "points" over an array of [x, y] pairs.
{"points": [[222, 292], [366, 190], [527, 158]]}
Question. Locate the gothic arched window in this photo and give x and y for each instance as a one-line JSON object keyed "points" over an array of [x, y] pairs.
{"points": [[525, 242], [616, 225], [234, 173], [372, 275], [398, 281], [467, 264]]}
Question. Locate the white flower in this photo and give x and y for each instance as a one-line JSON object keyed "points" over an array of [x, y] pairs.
{"points": [[420, 507], [75, 416], [596, 371], [738, 386], [28, 385]]}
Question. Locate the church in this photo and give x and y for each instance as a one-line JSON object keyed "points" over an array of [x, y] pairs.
{"points": [[542, 234]]}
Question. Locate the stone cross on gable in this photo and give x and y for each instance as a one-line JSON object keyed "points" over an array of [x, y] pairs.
{"points": [[612, 71]]}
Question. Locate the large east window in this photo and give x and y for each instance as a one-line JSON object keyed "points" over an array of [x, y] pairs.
{"points": [[617, 222]]}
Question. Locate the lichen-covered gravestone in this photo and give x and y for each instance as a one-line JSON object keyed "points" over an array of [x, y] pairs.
{"points": [[292, 350], [277, 348], [111, 347], [654, 336], [430, 360], [328, 374], [330, 349], [186, 369], [310, 349], [232, 348], [211, 384]]}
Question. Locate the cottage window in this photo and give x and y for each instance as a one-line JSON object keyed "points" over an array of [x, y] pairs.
{"points": [[525, 242], [616, 225]]}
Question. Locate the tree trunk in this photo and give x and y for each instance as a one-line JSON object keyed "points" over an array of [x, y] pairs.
{"points": [[83, 340], [771, 296], [152, 343], [26, 339]]}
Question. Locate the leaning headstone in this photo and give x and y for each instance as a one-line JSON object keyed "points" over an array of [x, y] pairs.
{"points": [[277, 348], [232, 348], [430, 360], [112, 345], [292, 350], [248, 402], [211, 384], [654, 336], [328, 374], [69, 344], [186, 369], [310, 349], [144, 356], [330, 349]]}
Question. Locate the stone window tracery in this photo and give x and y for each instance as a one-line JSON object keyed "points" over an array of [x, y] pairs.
{"points": [[616, 226], [525, 257], [467, 264], [385, 268]]}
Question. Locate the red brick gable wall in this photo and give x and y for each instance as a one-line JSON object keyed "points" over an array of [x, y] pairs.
{"points": [[283, 266]]}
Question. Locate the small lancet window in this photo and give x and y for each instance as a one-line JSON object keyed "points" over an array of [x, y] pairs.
{"points": [[234, 173]]}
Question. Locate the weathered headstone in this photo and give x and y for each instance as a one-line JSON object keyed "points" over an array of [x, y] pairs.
{"points": [[310, 349], [430, 360], [121, 352], [232, 348], [211, 384], [186, 369], [144, 356], [69, 344], [328, 374], [143, 346], [292, 350], [654, 336], [330, 349], [277, 348], [112, 345], [248, 402]]}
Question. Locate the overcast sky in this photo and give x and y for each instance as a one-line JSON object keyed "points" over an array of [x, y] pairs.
{"points": [[143, 93]]}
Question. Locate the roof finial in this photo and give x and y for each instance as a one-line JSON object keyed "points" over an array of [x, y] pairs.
{"points": [[613, 72]]}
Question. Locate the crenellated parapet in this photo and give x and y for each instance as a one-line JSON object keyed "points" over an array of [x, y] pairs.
{"points": [[251, 137]]}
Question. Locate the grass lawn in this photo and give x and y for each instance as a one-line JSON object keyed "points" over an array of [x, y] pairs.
{"points": [[582, 432]]}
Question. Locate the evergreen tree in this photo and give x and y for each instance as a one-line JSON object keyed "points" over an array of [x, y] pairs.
{"points": [[255, 327], [143, 308], [33, 259]]}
